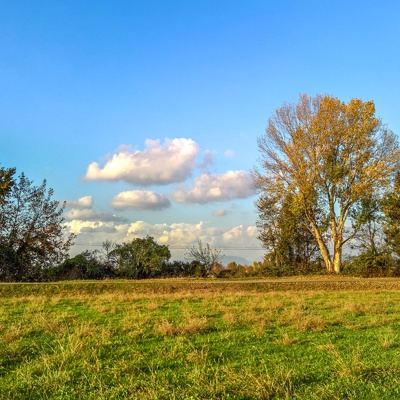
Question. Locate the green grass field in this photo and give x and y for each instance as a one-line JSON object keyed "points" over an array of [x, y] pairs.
{"points": [[176, 339]]}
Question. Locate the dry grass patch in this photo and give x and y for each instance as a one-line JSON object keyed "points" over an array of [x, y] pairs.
{"points": [[259, 326], [165, 328], [230, 318], [198, 356], [153, 305], [187, 327], [313, 322], [194, 325], [13, 333], [265, 384], [135, 324], [349, 367], [286, 339], [388, 339], [354, 308]]}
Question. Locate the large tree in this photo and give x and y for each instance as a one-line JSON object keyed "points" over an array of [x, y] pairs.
{"points": [[330, 155], [31, 231], [140, 258]]}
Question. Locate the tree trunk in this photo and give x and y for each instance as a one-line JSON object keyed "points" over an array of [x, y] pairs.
{"points": [[322, 248], [337, 261]]}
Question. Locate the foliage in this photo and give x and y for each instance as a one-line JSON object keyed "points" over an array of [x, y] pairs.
{"points": [[330, 156], [368, 220], [372, 264], [83, 266], [141, 258], [31, 231], [285, 232], [377, 241], [205, 256], [391, 211], [7, 181]]}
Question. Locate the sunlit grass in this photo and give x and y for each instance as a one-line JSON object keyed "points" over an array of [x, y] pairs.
{"points": [[235, 341]]}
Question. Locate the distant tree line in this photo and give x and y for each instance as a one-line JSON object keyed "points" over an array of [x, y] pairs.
{"points": [[140, 258]]}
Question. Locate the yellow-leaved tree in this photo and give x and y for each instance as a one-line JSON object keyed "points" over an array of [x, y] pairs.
{"points": [[329, 155]]}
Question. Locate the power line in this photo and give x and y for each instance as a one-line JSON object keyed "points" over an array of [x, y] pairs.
{"points": [[180, 247]]}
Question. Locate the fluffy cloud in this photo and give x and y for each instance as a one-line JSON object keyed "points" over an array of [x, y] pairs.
{"points": [[93, 215], [159, 164], [176, 234], [82, 210], [140, 200], [208, 188], [220, 212], [82, 203], [241, 236], [78, 226]]}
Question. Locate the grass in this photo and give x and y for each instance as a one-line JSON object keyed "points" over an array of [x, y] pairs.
{"points": [[178, 339]]}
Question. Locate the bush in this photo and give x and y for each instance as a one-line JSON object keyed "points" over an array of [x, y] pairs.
{"points": [[371, 264], [82, 266]]}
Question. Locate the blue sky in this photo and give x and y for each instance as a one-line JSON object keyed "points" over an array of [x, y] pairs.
{"points": [[164, 100]]}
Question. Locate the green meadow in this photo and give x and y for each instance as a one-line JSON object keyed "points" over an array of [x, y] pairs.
{"points": [[201, 339]]}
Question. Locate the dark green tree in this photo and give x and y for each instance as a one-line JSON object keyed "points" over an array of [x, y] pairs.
{"points": [[285, 233], [391, 211], [31, 231], [140, 258], [86, 265], [372, 256]]}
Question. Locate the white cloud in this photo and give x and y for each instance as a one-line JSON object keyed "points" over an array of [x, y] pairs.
{"points": [[87, 214], [220, 212], [229, 153], [78, 226], [208, 188], [241, 235], [82, 210], [159, 164], [140, 200], [207, 159], [82, 203]]}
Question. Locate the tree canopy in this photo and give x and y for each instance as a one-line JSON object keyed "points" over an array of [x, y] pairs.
{"points": [[31, 229], [391, 210], [284, 234], [6, 182], [329, 155], [140, 258]]}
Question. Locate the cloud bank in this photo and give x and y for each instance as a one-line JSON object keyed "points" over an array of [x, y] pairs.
{"points": [[158, 164]]}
